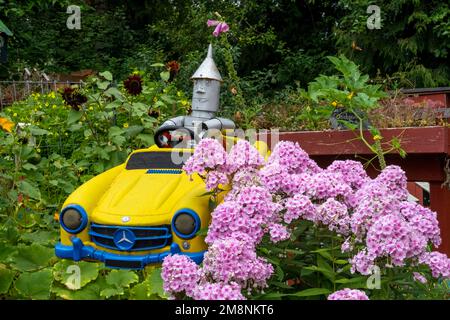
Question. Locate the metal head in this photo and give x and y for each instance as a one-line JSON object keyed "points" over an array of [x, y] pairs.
{"points": [[208, 68]]}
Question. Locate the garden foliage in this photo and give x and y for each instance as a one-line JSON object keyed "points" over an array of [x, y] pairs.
{"points": [[52, 143]]}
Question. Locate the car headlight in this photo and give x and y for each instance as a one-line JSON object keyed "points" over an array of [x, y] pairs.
{"points": [[185, 223], [73, 218]]}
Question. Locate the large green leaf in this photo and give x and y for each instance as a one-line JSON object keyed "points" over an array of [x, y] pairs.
{"points": [[6, 252], [34, 257], [39, 237], [64, 271], [140, 291], [73, 116], [156, 283], [6, 278], [89, 292], [107, 75], [111, 292], [121, 278], [29, 190], [35, 285]]}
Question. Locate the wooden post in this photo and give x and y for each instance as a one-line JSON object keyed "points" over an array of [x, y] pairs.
{"points": [[440, 202]]}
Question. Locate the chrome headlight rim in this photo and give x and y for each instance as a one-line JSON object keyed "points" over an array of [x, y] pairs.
{"points": [[81, 211], [197, 221]]}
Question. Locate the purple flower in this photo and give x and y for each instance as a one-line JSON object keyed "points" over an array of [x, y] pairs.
{"points": [[209, 155], [218, 291], [221, 27], [419, 277], [438, 262], [180, 274], [348, 294], [278, 232], [243, 156]]}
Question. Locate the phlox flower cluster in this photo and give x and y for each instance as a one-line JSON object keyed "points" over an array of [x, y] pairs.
{"points": [[348, 294], [180, 274], [377, 223], [209, 155], [235, 260]]}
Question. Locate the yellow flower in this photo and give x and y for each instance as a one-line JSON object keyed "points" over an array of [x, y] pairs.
{"points": [[350, 95], [155, 99], [377, 137], [179, 93], [91, 108], [51, 95], [6, 125], [15, 114], [125, 125], [184, 102], [47, 104], [136, 72], [334, 103], [54, 106]]}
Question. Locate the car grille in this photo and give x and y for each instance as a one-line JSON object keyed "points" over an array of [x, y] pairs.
{"points": [[146, 238]]}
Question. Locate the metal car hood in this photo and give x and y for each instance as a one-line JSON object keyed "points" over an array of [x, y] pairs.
{"points": [[138, 193]]}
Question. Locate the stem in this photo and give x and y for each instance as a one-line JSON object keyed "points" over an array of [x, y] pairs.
{"points": [[235, 81]]}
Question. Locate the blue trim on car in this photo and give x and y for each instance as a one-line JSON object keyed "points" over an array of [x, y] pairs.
{"points": [[79, 251], [165, 237], [193, 214], [84, 218], [164, 171]]}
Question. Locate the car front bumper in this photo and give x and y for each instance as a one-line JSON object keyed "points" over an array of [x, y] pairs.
{"points": [[78, 251]]}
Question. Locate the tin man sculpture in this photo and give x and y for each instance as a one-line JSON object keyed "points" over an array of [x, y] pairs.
{"points": [[205, 105]]}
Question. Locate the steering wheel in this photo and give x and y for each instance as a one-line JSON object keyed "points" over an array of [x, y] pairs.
{"points": [[174, 137]]}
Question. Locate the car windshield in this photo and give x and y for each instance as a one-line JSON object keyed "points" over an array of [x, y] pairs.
{"points": [[157, 160]]}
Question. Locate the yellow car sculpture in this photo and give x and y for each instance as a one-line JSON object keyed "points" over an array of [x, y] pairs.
{"points": [[137, 213], [147, 208]]}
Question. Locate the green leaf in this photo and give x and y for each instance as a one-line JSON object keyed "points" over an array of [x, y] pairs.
{"points": [[35, 131], [312, 292], [140, 291], [280, 273], [110, 292], [6, 278], [6, 252], [89, 292], [107, 75], [103, 85], [351, 280], [35, 285], [64, 271], [30, 258], [29, 166], [29, 190], [165, 75], [156, 283], [157, 64], [121, 278], [39, 237], [147, 139], [114, 92], [132, 131], [73, 116], [324, 253]]}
